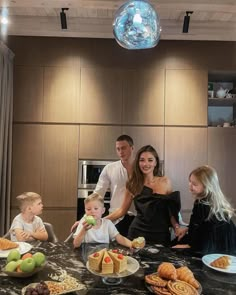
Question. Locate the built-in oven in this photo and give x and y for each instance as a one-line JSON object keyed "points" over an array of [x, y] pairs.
{"points": [[88, 175], [89, 172]]}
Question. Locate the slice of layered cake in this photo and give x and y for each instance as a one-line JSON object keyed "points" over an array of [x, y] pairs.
{"points": [[119, 260], [95, 260], [107, 264]]}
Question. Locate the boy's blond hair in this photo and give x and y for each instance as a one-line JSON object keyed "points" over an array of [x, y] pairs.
{"points": [[27, 199], [94, 197]]}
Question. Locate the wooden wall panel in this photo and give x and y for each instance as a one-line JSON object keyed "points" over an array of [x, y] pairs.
{"points": [[28, 93], [222, 156], [98, 142], [186, 97], [26, 160], [147, 135], [185, 150], [101, 96], [143, 98], [60, 95], [61, 219], [59, 165]]}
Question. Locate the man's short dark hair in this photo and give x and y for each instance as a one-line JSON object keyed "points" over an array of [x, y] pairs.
{"points": [[126, 138]]}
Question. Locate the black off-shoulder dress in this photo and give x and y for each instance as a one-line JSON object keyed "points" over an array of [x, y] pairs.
{"points": [[153, 216], [210, 236]]}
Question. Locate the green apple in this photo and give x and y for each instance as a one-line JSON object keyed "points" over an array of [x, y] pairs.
{"points": [[90, 219], [27, 265], [11, 266], [13, 255], [18, 262], [39, 258]]}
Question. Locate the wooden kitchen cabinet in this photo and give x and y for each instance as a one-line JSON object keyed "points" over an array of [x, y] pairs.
{"points": [[60, 165], [185, 150], [62, 219], [98, 142], [26, 159], [100, 96], [186, 97], [147, 135], [61, 87], [143, 98], [28, 94], [222, 156], [45, 160]]}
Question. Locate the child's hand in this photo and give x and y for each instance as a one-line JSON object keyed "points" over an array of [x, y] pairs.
{"points": [[181, 232], [26, 236], [86, 226], [181, 246]]}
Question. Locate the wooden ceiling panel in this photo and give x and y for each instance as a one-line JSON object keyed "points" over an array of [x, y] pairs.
{"points": [[211, 20]]}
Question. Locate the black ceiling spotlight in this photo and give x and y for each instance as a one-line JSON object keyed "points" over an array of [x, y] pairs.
{"points": [[186, 21], [63, 18]]}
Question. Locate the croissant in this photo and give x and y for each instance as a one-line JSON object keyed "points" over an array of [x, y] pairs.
{"points": [[221, 262], [186, 275], [167, 270], [6, 244]]}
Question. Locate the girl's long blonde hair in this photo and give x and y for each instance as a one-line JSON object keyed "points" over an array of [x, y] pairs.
{"points": [[220, 206]]}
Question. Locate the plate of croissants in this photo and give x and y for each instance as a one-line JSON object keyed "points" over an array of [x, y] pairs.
{"points": [[169, 280], [6, 246], [220, 262]]}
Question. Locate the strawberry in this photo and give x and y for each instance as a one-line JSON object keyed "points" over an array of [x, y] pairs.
{"points": [[96, 254], [107, 259], [120, 256], [115, 251]]}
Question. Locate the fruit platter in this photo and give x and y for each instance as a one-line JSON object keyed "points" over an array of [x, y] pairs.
{"points": [[23, 266]]}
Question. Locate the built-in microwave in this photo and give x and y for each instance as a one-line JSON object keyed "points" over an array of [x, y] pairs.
{"points": [[89, 172]]}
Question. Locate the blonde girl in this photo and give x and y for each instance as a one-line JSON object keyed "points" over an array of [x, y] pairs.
{"points": [[211, 228]]}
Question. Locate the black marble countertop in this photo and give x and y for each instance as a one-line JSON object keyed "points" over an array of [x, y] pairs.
{"points": [[62, 256]]}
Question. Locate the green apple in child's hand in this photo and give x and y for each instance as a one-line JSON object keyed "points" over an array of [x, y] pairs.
{"points": [[90, 219], [13, 255]]}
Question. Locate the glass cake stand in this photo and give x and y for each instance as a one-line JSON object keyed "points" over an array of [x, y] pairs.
{"points": [[116, 278]]}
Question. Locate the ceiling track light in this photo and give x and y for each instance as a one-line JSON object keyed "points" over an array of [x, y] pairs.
{"points": [[63, 18], [186, 21]]}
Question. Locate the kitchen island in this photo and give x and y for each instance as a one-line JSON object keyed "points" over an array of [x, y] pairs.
{"points": [[62, 257]]}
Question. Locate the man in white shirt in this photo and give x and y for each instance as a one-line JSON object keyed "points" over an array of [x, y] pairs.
{"points": [[114, 177]]}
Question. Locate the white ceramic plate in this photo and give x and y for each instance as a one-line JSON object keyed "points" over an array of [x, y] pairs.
{"points": [[23, 248], [132, 267], [207, 259]]}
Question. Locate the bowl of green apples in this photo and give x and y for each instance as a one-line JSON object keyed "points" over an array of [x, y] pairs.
{"points": [[23, 266]]}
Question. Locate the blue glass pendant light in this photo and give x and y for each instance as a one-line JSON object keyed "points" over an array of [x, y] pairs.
{"points": [[136, 25]]}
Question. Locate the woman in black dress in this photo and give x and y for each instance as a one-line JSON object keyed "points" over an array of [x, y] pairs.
{"points": [[211, 229], [157, 206]]}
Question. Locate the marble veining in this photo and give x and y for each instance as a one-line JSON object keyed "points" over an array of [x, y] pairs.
{"points": [[61, 256]]}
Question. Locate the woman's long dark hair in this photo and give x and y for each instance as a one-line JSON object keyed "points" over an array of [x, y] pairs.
{"points": [[136, 180]]}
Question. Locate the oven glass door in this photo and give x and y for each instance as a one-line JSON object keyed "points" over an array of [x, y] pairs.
{"points": [[89, 172], [92, 173]]}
